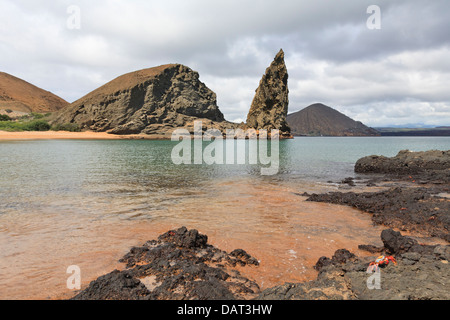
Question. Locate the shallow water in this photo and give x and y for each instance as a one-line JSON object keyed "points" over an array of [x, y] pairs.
{"points": [[86, 203], [284, 232]]}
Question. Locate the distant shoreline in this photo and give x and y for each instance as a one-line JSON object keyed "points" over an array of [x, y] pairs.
{"points": [[85, 135], [65, 135]]}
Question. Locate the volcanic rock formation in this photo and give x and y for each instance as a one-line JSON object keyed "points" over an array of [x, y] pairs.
{"points": [[421, 272], [149, 101], [270, 104], [405, 162], [180, 265]]}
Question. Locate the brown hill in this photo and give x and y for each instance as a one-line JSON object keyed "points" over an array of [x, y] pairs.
{"points": [[321, 120], [21, 96], [149, 101]]}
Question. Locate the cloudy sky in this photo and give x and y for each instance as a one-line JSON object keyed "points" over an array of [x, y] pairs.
{"points": [[396, 75]]}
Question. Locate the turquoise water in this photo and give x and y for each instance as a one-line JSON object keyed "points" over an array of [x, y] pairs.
{"points": [[85, 203], [57, 174], [330, 158]]}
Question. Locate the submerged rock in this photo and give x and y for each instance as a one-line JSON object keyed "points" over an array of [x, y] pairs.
{"points": [[180, 265], [270, 104]]}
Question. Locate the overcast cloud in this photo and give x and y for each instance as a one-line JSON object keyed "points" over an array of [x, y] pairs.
{"points": [[397, 75]]}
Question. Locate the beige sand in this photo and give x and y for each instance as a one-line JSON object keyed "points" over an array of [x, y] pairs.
{"points": [[56, 135]]}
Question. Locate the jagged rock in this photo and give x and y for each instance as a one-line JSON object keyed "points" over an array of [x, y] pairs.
{"points": [[117, 285], [395, 243], [414, 209], [270, 104], [149, 101], [341, 256], [180, 265]]}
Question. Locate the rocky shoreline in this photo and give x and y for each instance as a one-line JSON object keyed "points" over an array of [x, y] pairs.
{"points": [[421, 273], [181, 265], [416, 196]]}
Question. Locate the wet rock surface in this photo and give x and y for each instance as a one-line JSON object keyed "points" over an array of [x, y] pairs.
{"points": [[406, 162], [419, 200], [413, 209], [421, 273], [180, 265]]}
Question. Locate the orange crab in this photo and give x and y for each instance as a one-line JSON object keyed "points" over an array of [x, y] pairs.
{"points": [[381, 261]]}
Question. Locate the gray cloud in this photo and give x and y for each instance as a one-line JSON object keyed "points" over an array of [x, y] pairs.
{"points": [[390, 76]]}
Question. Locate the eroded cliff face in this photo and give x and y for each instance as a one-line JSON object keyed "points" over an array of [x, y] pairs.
{"points": [[150, 101], [270, 104], [158, 100]]}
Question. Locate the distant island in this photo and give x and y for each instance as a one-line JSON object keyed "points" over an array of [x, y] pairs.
{"points": [[321, 120], [411, 132]]}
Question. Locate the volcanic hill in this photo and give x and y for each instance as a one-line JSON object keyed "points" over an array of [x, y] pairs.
{"points": [[150, 101], [21, 96], [321, 120]]}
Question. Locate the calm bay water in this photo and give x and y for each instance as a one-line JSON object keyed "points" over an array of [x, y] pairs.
{"points": [[86, 202]]}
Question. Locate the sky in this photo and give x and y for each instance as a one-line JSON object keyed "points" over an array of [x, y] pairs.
{"points": [[385, 67]]}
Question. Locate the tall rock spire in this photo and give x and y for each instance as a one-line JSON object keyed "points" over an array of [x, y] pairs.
{"points": [[270, 104]]}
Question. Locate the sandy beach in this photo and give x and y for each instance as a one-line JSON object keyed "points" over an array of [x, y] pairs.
{"points": [[65, 135]]}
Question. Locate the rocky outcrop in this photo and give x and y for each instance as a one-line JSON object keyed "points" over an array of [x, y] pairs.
{"points": [[321, 120], [413, 209], [406, 162], [150, 101], [422, 272], [158, 100], [180, 265], [270, 104], [417, 202], [17, 95]]}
